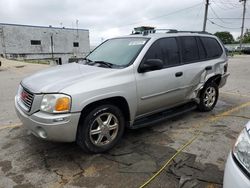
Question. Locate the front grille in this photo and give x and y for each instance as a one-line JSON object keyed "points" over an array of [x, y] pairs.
{"points": [[26, 98]]}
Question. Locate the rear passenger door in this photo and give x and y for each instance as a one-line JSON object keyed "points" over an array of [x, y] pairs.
{"points": [[199, 55]]}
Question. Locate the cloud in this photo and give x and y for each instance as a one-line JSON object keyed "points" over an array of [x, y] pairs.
{"points": [[109, 18]]}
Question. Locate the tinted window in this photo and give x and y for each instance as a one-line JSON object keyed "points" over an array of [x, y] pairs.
{"points": [[212, 47], [190, 51], [202, 51], [35, 42], [165, 49], [75, 44]]}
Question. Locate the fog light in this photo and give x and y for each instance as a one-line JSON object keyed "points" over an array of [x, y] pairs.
{"points": [[58, 119], [64, 119], [41, 132]]}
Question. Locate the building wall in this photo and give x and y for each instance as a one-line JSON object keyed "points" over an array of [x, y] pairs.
{"points": [[15, 42]]}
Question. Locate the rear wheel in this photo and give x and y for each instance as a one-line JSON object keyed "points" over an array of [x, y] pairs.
{"points": [[208, 97], [101, 129]]}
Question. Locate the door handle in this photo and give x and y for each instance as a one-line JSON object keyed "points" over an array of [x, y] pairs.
{"points": [[178, 74], [208, 68]]}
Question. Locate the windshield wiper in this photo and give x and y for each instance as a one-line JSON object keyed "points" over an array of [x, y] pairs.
{"points": [[87, 60], [107, 64]]}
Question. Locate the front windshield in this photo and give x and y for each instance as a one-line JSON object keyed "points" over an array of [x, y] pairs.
{"points": [[119, 52]]}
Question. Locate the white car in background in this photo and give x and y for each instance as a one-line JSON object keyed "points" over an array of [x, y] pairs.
{"points": [[237, 170]]}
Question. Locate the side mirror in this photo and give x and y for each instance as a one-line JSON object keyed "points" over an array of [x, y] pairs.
{"points": [[150, 65]]}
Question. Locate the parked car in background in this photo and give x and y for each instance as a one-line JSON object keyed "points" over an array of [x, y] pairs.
{"points": [[237, 170], [246, 50], [131, 81], [237, 49]]}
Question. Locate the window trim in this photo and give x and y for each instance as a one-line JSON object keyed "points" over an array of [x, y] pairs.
{"points": [[178, 46]]}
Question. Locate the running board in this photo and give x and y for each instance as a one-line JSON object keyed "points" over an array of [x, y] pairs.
{"points": [[167, 114]]}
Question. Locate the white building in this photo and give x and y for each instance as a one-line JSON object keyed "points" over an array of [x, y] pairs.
{"points": [[47, 43]]}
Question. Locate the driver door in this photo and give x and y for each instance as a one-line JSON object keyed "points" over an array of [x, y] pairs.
{"points": [[160, 89]]}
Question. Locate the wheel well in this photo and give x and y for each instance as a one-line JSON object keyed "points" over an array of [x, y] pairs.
{"points": [[216, 79], [120, 102]]}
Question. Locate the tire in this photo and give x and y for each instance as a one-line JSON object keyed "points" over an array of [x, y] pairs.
{"points": [[107, 125], [208, 97]]}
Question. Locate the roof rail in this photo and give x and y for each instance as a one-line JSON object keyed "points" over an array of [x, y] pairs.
{"points": [[152, 31], [199, 32]]}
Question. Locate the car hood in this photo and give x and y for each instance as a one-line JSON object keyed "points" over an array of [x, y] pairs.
{"points": [[57, 78]]}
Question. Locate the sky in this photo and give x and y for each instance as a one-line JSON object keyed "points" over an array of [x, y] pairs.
{"points": [[110, 18]]}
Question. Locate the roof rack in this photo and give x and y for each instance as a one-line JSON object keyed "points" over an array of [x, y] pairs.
{"points": [[199, 32], [152, 31]]}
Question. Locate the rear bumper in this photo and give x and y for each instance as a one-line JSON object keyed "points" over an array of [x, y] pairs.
{"points": [[223, 80], [59, 127], [233, 176]]}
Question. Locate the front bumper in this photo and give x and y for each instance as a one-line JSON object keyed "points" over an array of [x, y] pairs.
{"points": [[59, 127], [223, 80], [233, 176]]}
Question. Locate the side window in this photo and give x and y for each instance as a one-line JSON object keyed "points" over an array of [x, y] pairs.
{"points": [[202, 51], [165, 49], [212, 47], [190, 52]]}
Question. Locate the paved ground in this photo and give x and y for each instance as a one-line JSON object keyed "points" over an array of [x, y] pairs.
{"points": [[26, 161]]}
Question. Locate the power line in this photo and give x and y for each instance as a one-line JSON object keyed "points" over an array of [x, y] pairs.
{"points": [[161, 16], [217, 15], [224, 7], [197, 16], [228, 18], [212, 22], [227, 4]]}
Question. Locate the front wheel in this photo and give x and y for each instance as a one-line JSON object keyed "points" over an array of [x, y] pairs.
{"points": [[208, 97], [101, 129]]}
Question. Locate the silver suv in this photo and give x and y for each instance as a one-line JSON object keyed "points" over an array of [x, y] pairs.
{"points": [[131, 81]]}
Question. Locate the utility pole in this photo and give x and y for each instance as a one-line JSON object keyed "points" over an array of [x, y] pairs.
{"points": [[243, 22], [52, 46], [205, 16]]}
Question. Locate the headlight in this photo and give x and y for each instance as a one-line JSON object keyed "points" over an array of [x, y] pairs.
{"points": [[56, 103], [241, 149]]}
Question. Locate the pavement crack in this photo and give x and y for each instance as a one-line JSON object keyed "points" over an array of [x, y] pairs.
{"points": [[77, 163], [195, 168], [121, 154], [210, 182], [45, 161], [113, 160], [63, 179]]}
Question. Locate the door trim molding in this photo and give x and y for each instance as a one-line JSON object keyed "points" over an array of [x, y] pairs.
{"points": [[165, 92]]}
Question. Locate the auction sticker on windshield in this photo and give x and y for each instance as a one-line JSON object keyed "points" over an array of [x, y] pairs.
{"points": [[138, 42]]}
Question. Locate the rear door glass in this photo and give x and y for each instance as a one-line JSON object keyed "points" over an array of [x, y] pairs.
{"points": [[190, 51]]}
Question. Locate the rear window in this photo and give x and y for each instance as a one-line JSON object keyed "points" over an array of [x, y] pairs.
{"points": [[212, 47]]}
